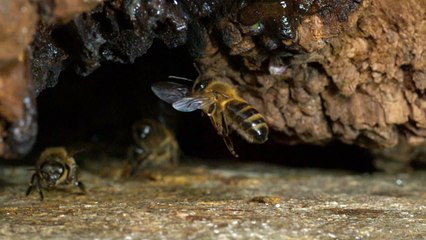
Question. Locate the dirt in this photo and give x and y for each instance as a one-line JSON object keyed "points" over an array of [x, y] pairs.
{"points": [[217, 200]]}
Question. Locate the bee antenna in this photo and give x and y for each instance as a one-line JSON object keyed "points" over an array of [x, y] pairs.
{"points": [[181, 78], [75, 152], [197, 68]]}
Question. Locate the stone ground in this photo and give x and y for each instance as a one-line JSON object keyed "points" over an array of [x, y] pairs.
{"points": [[225, 200]]}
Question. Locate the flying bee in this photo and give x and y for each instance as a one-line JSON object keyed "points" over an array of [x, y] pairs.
{"points": [[154, 144], [54, 167], [221, 102]]}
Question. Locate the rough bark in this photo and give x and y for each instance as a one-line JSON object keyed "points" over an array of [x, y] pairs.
{"points": [[17, 110], [357, 76]]}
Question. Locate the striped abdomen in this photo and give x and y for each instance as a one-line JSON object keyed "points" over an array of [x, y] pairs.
{"points": [[247, 121]]}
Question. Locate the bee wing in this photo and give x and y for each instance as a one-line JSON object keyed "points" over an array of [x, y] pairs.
{"points": [[170, 92], [189, 104]]}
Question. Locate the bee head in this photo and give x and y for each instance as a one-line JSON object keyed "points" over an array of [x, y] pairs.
{"points": [[51, 171]]}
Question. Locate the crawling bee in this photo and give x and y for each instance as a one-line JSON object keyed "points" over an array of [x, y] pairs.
{"points": [[54, 167], [154, 144], [221, 102]]}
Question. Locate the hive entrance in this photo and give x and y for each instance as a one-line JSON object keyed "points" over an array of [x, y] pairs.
{"points": [[101, 107]]}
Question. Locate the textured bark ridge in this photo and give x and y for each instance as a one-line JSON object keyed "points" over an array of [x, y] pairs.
{"points": [[377, 70], [356, 74], [358, 80], [348, 70], [17, 109]]}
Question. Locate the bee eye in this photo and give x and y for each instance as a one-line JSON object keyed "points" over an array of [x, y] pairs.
{"points": [[145, 131], [200, 85]]}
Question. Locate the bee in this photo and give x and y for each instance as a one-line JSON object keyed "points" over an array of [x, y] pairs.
{"points": [[276, 66], [154, 144], [54, 167], [222, 104]]}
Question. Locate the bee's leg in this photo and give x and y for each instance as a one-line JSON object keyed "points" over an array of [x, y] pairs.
{"points": [[72, 170], [174, 149], [211, 110], [230, 145], [35, 183], [215, 118], [81, 186], [40, 192], [32, 185], [131, 164], [136, 156], [226, 138], [216, 125]]}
